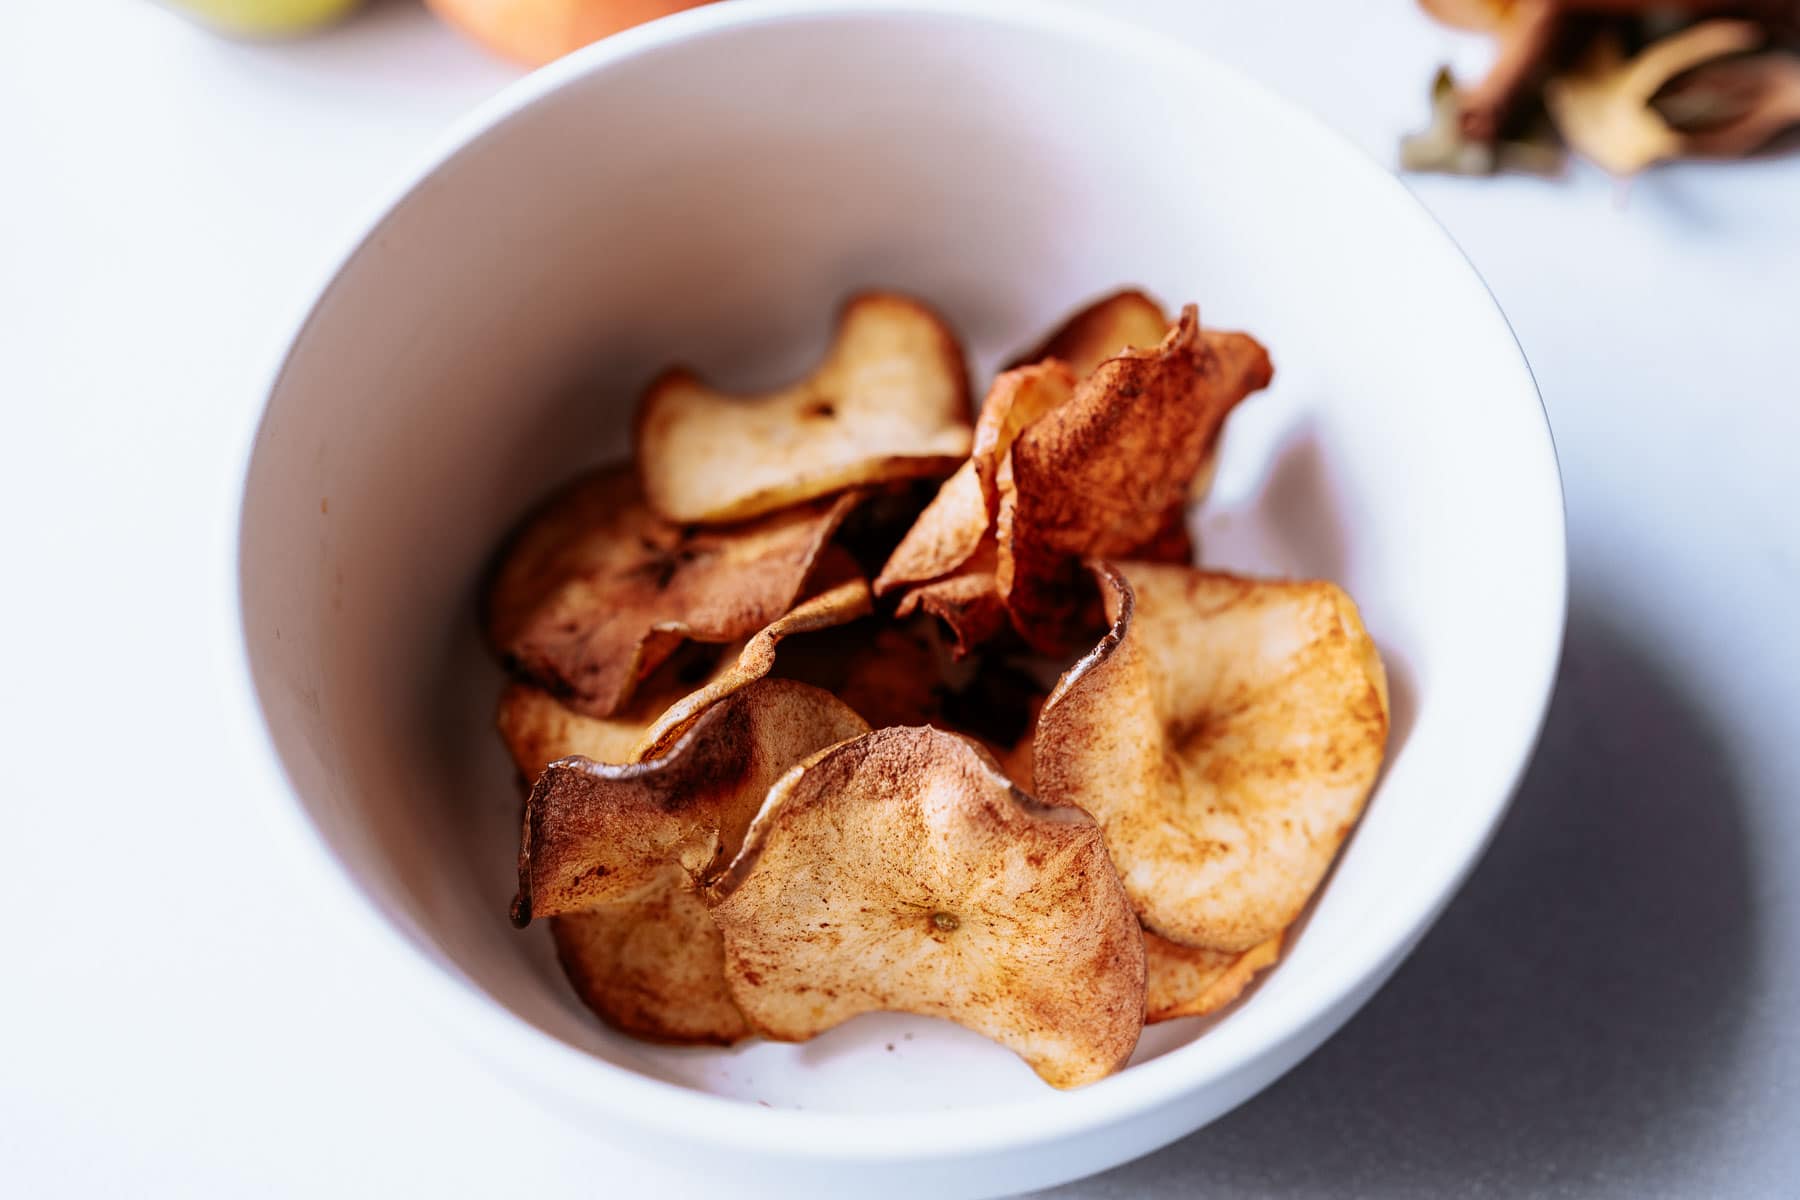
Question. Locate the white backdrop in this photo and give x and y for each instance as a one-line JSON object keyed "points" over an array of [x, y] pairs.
{"points": [[1608, 1009]]}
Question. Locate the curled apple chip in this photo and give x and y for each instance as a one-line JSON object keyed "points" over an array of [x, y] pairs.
{"points": [[944, 537], [1100, 475], [1225, 734], [835, 605], [890, 401], [903, 872], [951, 530], [652, 965], [539, 729], [1125, 320], [967, 601], [1131, 320], [595, 591], [1188, 981], [596, 833]]}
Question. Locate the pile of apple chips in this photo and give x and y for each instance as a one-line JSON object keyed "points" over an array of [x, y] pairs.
{"points": [[841, 699]]}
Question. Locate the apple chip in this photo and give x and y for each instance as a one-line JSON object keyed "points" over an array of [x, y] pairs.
{"points": [[1101, 474], [835, 605], [951, 530], [539, 729], [1125, 320], [1225, 734], [966, 601], [595, 590], [653, 965], [1131, 320], [596, 833], [945, 536], [1188, 981], [890, 401], [903, 872]]}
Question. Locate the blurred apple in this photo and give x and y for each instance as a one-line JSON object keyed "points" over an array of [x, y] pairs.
{"points": [[535, 31], [265, 18]]}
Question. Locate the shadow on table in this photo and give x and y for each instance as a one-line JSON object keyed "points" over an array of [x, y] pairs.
{"points": [[1577, 1008]]}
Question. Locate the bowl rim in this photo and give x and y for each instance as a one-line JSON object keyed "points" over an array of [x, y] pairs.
{"points": [[518, 1048]]}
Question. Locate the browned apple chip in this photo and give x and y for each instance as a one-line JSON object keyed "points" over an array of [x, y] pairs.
{"points": [[837, 604], [1172, 542], [944, 537], [1225, 733], [1187, 981], [890, 401], [1125, 320], [903, 872], [1131, 320], [967, 601], [1101, 474], [653, 965], [539, 729], [954, 526], [597, 833], [595, 590]]}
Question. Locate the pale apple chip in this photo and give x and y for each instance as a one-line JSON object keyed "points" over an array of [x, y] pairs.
{"points": [[595, 833], [1188, 981], [1225, 734], [596, 590], [902, 872], [653, 965], [889, 402], [1101, 474]]}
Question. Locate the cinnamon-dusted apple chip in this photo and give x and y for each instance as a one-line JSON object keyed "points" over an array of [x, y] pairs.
{"points": [[1225, 734], [596, 590], [1187, 981], [968, 603], [890, 401], [952, 529], [902, 872], [596, 833], [1131, 320], [837, 604], [652, 965], [1125, 320], [1100, 475]]}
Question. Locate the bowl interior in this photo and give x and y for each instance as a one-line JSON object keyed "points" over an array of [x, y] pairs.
{"points": [[710, 199]]}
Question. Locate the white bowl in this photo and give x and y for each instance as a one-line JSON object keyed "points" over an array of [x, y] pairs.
{"points": [[707, 189]]}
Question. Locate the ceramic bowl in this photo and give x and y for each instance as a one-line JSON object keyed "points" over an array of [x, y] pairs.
{"points": [[707, 190]]}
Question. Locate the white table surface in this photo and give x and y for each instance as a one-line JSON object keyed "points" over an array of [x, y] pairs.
{"points": [[1612, 1007]]}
